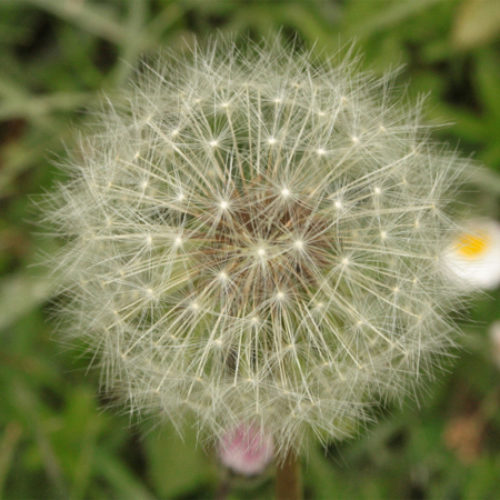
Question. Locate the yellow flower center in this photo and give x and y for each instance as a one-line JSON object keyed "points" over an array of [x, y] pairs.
{"points": [[472, 245]]}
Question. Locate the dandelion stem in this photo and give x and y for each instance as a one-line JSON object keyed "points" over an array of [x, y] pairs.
{"points": [[223, 488], [288, 478]]}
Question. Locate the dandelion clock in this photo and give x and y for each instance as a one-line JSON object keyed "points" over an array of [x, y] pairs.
{"points": [[254, 241]]}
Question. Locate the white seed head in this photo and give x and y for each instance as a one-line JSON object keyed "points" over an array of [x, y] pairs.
{"points": [[319, 313]]}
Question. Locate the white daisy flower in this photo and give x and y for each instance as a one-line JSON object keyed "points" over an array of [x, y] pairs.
{"points": [[473, 257]]}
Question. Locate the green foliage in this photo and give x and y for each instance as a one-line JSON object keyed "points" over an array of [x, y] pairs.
{"points": [[57, 439]]}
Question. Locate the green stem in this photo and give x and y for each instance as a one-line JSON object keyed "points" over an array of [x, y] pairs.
{"points": [[288, 478], [224, 487]]}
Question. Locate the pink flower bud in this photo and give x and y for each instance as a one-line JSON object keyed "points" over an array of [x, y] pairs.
{"points": [[246, 450]]}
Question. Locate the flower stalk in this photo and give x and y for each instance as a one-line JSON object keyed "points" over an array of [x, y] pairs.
{"points": [[289, 478]]}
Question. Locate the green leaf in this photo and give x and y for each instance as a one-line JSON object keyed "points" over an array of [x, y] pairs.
{"points": [[22, 292], [477, 22], [176, 466], [487, 78], [120, 478]]}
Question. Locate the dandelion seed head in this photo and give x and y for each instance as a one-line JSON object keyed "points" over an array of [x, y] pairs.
{"points": [[259, 263]]}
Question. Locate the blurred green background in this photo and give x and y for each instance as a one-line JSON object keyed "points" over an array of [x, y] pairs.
{"points": [[58, 437]]}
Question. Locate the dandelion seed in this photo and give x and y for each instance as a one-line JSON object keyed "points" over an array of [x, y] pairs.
{"points": [[223, 276], [224, 205], [255, 320], [285, 192], [298, 244], [261, 252]]}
